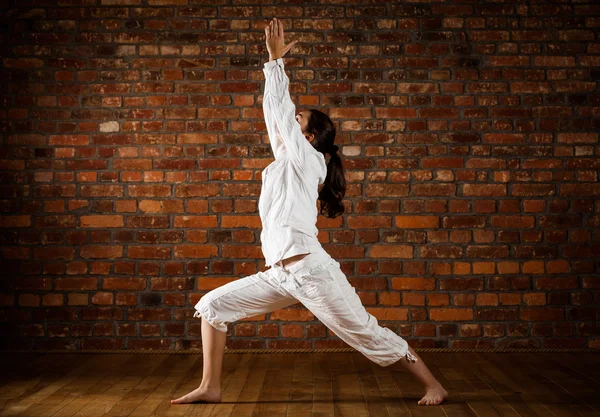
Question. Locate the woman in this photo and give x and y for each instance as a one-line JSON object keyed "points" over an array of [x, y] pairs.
{"points": [[301, 270]]}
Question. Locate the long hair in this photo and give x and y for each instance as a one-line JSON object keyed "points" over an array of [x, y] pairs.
{"points": [[334, 187]]}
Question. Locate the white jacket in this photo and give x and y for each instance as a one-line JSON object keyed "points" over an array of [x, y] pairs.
{"points": [[288, 199]]}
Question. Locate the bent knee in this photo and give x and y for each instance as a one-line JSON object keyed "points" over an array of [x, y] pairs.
{"points": [[217, 312]]}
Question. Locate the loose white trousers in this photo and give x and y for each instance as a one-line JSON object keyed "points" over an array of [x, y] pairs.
{"points": [[321, 286]]}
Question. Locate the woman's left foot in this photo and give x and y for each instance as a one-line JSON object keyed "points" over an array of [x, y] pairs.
{"points": [[433, 396], [200, 394]]}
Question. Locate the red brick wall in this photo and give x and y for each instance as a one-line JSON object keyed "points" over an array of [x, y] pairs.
{"points": [[133, 140]]}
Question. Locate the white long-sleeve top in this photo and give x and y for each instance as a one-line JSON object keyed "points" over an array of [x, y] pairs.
{"points": [[288, 199]]}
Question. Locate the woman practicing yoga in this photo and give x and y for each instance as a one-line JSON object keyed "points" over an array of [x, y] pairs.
{"points": [[301, 270]]}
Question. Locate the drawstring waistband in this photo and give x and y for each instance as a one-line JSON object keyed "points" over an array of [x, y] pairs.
{"points": [[287, 275], [308, 263]]}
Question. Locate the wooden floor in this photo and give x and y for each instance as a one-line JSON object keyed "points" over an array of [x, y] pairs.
{"points": [[295, 385]]}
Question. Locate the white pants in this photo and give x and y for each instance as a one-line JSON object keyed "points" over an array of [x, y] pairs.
{"points": [[320, 285]]}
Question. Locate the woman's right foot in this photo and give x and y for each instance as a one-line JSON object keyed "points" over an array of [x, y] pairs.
{"points": [[208, 395], [433, 396]]}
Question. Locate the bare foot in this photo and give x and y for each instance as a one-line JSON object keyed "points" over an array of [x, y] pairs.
{"points": [[433, 396], [209, 395]]}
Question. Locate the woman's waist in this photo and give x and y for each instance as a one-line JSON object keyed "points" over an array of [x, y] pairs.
{"points": [[282, 239], [307, 264], [299, 225]]}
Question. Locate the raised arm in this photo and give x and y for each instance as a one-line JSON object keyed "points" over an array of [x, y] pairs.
{"points": [[280, 115], [275, 137], [284, 131]]}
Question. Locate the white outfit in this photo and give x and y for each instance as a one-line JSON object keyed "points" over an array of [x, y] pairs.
{"points": [[289, 214], [321, 286], [287, 203]]}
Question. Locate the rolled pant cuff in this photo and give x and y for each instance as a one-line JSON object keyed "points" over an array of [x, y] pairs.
{"points": [[216, 325], [401, 354]]}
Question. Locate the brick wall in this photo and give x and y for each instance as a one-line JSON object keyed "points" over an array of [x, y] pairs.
{"points": [[132, 141]]}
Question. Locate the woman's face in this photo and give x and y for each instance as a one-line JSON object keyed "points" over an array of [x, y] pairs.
{"points": [[302, 118]]}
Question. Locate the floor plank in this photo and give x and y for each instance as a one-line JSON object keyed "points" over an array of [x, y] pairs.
{"points": [[28, 384], [477, 394], [276, 387], [303, 387], [513, 384], [370, 388], [163, 382], [51, 397], [323, 394], [347, 393]]}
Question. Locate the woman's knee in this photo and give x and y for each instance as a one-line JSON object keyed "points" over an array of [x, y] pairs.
{"points": [[218, 312], [239, 299]]}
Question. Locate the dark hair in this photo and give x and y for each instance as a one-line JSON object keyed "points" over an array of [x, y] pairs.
{"points": [[334, 187]]}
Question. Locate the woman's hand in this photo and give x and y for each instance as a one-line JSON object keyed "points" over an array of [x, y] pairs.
{"points": [[275, 43]]}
